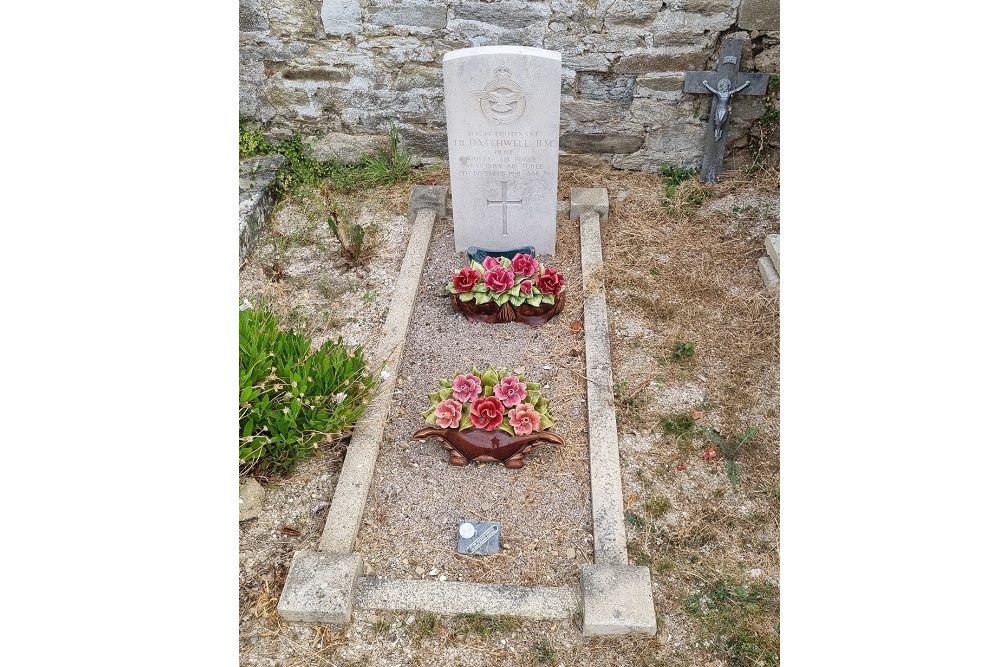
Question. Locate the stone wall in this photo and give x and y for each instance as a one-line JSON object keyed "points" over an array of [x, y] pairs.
{"points": [[340, 71]]}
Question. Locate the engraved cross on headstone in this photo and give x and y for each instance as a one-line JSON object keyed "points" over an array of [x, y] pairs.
{"points": [[723, 84], [504, 203]]}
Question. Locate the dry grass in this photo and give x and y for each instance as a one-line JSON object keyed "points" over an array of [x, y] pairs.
{"points": [[681, 270]]}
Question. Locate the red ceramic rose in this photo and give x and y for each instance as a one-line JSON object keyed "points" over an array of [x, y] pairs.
{"points": [[491, 263], [524, 265], [466, 279], [550, 281], [527, 288], [486, 413], [499, 279]]}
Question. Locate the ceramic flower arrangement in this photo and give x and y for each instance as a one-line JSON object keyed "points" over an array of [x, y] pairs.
{"points": [[508, 290], [489, 400], [488, 415]]}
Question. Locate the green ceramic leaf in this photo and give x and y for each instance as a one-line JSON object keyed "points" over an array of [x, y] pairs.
{"points": [[465, 423], [490, 377], [535, 299], [517, 300], [546, 422], [506, 427], [548, 298], [534, 397], [503, 298], [466, 296], [478, 267], [532, 386], [450, 287], [482, 297]]}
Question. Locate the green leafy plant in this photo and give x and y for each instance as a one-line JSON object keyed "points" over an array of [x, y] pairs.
{"points": [[252, 141], [682, 350], [657, 506], [677, 424], [291, 398], [351, 237], [672, 176], [735, 621], [302, 172], [729, 449], [426, 625]]}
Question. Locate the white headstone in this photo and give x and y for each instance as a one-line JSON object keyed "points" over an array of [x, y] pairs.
{"points": [[502, 106]]}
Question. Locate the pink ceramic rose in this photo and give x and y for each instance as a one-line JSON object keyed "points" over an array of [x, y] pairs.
{"points": [[550, 281], [486, 413], [448, 413], [465, 387], [526, 288], [491, 263], [510, 391], [525, 419], [499, 279], [524, 265], [465, 279]]}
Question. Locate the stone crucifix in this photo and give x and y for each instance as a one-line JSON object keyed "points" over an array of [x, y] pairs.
{"points": [[722, 84]]}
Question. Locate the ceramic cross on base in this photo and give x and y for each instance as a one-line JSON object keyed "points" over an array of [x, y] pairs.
{"points": [[722, 84]]}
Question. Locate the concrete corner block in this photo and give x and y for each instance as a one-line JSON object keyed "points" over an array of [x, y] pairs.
{"points": [[773, 248], [320, 588], [617, 600], [434, 197], [588, 199], [768, 274]]}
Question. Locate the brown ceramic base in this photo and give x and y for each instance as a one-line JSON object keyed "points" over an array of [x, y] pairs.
{"points": [[491, 313], [475, 444]]}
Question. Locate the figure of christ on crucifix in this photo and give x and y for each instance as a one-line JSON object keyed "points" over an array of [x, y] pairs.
{"points": [[722, 106], [503, 202]]}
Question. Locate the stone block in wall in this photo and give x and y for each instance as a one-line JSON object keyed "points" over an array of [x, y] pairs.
{"points": [[768, 60], [705, 7], [622, 38], [681, 144], [593, 61], [575, 112], [431, 14], [394, 50], [290, 18], [605, 87], [423, 142], [311, 77], [633, 13], [509, 14], [656, 113], [252, 15], [668, 87], [604, 142], [667, 59], [347, 148], [341, 17], [689, 29], [759, 15], [415, 76]]}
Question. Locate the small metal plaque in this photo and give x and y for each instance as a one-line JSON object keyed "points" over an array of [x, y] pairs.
{"points": [[478, 538]]}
